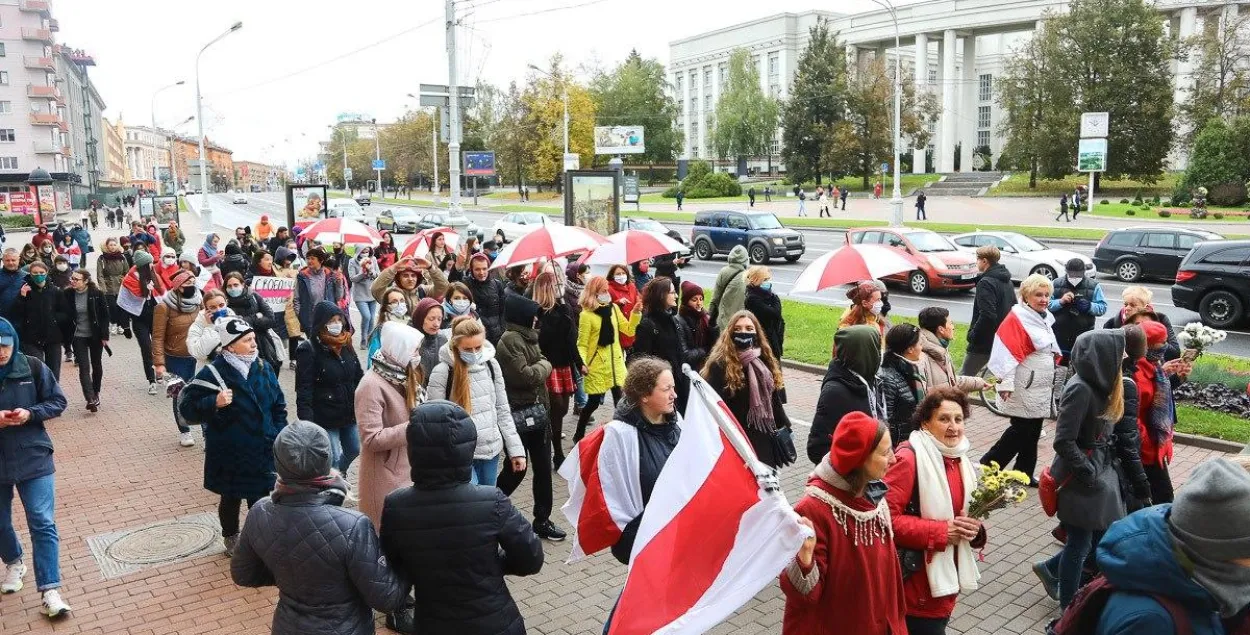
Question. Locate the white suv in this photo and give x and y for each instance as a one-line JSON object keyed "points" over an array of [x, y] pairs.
{"points": [[347, 208]]}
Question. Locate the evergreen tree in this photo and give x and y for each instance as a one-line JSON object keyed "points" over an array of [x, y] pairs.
{"points": [[816, 103], [635, 94]]}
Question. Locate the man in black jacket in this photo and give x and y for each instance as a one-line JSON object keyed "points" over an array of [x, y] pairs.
{"points": [[453, 540], [994, 298], [488, 293]]}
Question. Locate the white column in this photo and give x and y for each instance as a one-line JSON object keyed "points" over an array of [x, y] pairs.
{"points": [[1183, 81], [921, 72], [946, 158], [968, 104], [698, 78]]}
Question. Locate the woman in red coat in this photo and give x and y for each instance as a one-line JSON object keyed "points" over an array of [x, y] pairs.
{"points": [[1156, 411], [624, 294], [931, 486], [847, 579]]}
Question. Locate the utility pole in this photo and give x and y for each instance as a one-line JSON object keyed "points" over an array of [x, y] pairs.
{"points": [[453, 89], [434, 189], [377, 156]]}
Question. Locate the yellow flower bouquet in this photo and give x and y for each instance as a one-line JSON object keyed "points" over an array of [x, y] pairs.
{"points": [[997, 489]]}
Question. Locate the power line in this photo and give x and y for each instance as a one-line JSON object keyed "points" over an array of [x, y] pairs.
{"points": [[542, 11]]}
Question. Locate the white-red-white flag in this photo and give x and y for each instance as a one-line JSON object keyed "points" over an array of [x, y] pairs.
{"points": [[711, 537]]}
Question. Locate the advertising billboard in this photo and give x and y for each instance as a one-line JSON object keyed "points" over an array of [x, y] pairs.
{"points": [[1091, 155], [619, 140], [592, 200], [305, 204], [479, 164]]}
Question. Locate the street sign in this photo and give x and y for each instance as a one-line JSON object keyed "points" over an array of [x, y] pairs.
{"points": [[1095, 125], [630, 189], [319, 166], [572, 161], [479, 163], [885, 167], [347, 174], [379, 164], [1092, 155], [439, 96]]}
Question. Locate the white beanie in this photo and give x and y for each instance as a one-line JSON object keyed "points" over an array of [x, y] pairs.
{"points": [[231, 329], [400, 342]]}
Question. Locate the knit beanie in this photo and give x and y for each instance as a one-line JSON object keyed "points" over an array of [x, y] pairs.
{"points": [[302, 452], [424, 306], [142, 258], [1134, 342], [1156, 333], [1212, 511], [690, 290], [854, 440], [180, 278], [231, 330]]}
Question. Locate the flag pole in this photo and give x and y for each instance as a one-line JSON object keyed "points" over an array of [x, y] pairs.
{"points": [[733, 432]]}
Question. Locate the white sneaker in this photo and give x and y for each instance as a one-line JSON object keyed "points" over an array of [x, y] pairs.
{"points": [[185, 439], [152, 389], [13, 578], [53, 605]]}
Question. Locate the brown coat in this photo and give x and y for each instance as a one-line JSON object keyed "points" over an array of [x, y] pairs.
{"points": [[935, 363], [382, 416], [169, 332]]}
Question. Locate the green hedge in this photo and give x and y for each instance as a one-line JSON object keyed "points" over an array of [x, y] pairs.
{"points": [[16, 221]]}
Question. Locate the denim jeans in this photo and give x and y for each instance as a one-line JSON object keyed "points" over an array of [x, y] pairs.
{"points": [[183, 367], [485, 471], [579, 399], [368, 313], [344, 446], [39, 500], [1068, 565]]}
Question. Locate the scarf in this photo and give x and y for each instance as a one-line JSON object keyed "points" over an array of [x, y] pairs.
{"points": [[575, 287], [954, 569], [335, 342], [112, 255], [175, 301], [760, 415], [332, 484], [910, 372], [1161, 419], [867, 527], [241, 363], [699, 321], [209, 249], [607, 331], [1227, 582], [393, 373], [1021, 334]]}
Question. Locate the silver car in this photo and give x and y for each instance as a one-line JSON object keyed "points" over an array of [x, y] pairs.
{"points": [[1022, 255]]}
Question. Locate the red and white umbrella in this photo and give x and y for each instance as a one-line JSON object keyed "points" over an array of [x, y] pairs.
{"points": [[849, 264], [341, 230], [549, 241], [420, 244], [633, 245]]}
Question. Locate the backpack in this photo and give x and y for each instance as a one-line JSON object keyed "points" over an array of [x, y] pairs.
{"points": [[175, 390], [1082, 615]]}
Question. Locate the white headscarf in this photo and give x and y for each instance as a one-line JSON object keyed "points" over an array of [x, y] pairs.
{"points": [[400, 343]]}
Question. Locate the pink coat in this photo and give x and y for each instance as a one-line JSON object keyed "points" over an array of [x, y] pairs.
{"points": [[382, 416]]}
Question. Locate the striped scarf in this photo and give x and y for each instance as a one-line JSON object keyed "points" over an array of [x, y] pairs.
{"points": [[1162, 417]]}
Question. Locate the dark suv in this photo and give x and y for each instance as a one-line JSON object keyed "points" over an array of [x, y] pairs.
{"points": [[717, 232], [1134, 253], [1214, 282]]}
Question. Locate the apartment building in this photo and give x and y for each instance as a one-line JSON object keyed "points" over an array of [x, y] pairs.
{"points": [[147, 159], [220, 166], [114, 173], [251, 176]]}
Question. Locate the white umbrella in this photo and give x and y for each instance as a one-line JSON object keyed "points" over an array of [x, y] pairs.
{"points": [[848, 264]]}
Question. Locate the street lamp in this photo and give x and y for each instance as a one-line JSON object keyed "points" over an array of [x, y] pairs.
{"points": [[377, 158], [155, 129], [896, 203], [343, 133], [434, 188], [206, 210]]}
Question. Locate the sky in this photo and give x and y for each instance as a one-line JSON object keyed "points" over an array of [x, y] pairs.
{"points": [[271, 88]]}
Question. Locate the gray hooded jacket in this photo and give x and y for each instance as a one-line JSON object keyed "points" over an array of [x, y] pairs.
{"points": [[730, 293]]}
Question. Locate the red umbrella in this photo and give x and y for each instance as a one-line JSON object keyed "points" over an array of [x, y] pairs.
{"points": [[848, 264], [632, 246], [420, 244], [341, 230], [550, 241]]}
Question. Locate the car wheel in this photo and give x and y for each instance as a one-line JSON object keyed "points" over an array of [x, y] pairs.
{"points": [[1220, 309], [918, 282], [1045, 270], [703, 249], [759, 254], [1128, 270], [793, 258]]}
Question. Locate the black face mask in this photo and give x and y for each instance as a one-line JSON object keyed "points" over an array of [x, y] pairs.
{"points": [[188, 292], [744, 340]]}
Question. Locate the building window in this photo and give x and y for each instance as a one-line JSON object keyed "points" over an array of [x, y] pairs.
{"points": [[755, 66], [708, 105], [774, 64], [985, 88], [694, 129], [2, 51], [776, 148], [707, 80], [983, 117], [932, 75], [7, 135], [723, 70], [694, 152], [4, 78], [680, 86], [774, 90], [8, 163], [983, 138], [694, 104], [6, 107]]}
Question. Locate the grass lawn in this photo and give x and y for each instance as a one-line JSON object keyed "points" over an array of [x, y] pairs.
{"points": [[1119, 210], [909, 182], [1208, 423], [1018, 185], [511, 195]]}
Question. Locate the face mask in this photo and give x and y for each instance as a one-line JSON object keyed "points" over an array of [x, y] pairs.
{"points": [[188, 292], [1155, 354], [399, 309], [334, 328], [620, 279], [643, 267], [471, 358], [460, 305], [876, 307], [169, 261], [1075, 281], [47, 249], [945, 342], [60, 266], [604, 298], [744, 340], [767, 285], [234, 292], [219, 313], [492, 256], [39, 278]]}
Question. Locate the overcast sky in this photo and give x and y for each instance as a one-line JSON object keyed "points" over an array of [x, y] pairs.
{"points": [[271, 88]]}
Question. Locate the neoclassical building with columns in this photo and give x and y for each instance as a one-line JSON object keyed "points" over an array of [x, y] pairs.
{"points": [[961, 45]]}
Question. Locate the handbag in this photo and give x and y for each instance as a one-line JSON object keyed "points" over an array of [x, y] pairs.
{"points": [[783, 447], [1048, 492], [911, 560], [531, 418]]}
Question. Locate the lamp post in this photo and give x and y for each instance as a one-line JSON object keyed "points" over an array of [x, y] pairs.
{"points": [[896, 202], [377, 158], [206, 210], [156, 130]]}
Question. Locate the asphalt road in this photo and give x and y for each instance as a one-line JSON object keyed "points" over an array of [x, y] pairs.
{"points": [[905, 303]]}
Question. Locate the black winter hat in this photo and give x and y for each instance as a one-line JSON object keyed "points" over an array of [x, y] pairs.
{"points": [[519, 310]]}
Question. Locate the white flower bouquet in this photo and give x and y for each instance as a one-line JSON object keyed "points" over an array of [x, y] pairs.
{"points": [[1196, 338]]}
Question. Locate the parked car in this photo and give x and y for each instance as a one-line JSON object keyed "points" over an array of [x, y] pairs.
{"points": [[1214, 281], [346, 208], [398, 219], [717, 232], [239, 198], [519, 224], [940, 265], [458, 222], [1132, 253], [1022, 255], [650, 225], [364, 199]]}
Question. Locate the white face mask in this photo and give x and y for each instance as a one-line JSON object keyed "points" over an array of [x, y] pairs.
{"points": [[1075, 281], [876, 307], [604, 298], [169, 260], [620, 278], [461, 305], [334, 328], [399, 309], [60, 266]]}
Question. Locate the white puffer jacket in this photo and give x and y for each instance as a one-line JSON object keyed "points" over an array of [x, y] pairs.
{"points": [[202, 338], [491, 413]]}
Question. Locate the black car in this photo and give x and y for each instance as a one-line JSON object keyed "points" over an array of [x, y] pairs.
{"points": [[399, 220], [363, 200], [1133, 253], [765, 238], [1214, 282]]}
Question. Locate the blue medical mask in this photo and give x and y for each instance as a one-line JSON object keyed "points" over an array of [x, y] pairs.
{"points": [[220, 313], [234, 292], [767, 285], [472, 358]]}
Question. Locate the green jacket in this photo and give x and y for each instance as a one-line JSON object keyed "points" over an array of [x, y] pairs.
{"points": [[174, 240], [730, 293], [525, 370]]}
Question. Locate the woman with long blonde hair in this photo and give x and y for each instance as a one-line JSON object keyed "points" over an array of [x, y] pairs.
{"points": [[743, 370], [557, 340], [469, 375], [600, 330]]}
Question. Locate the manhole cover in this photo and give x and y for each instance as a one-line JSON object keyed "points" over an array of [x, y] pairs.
{"points": [[161, 543]]}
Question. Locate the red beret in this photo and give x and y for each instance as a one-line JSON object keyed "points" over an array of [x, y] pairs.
{"points": [[1156, 333], [854, 440]]}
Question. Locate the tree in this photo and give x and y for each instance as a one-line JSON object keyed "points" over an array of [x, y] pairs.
{"points": [[1216, 158], [635, 94], [1033, 97], [817, 103], [864, 138], [498, 120], [543, 106], [1221, 77], [746, 119]]}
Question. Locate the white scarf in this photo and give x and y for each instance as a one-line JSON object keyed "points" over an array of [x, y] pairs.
{"points": [[954, 569]]}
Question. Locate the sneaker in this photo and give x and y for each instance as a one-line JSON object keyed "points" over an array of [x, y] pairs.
{"points": [[13, 578], [1049, 583], [152, 389], [53, 605], [126, 332], [548, 531], [93, 405], [230, 542], [185, 439]]}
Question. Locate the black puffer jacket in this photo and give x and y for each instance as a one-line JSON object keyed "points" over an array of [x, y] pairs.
{"points": [[488, 295], [900, 396], [994, 299], [767, 309], [235, 261], [325, 382], [326, 560], [456, 541], [557, 336], [663, 335], [43, 316], [841, 392]]}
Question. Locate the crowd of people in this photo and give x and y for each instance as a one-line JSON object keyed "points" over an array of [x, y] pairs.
{"points": [[455, 381]]}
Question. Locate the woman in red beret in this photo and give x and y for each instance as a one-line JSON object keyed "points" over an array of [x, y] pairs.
{"points": [[847, 578]]}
